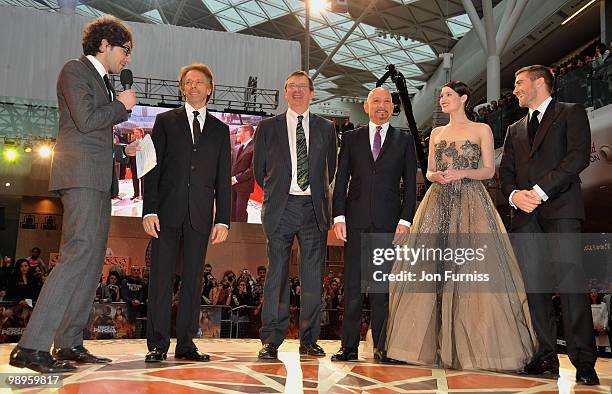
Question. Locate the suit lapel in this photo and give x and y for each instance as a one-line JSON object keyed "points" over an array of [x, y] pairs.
{"points": [[182, 123], [523, 132], [244, 151], [83, 59], [364, 138], [551, 114], [389, 140], [283, 138], [313, 139], [208, 124]]}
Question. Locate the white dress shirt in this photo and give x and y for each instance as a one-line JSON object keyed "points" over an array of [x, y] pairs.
{"points": [[201, 118], [100, 69], [292, 121], [383, 135], [541, 109]]}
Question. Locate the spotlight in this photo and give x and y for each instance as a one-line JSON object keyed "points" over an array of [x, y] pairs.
{"points": [[44, 151], [318, 6], [27, 147], [10, 154], [7, 184]]}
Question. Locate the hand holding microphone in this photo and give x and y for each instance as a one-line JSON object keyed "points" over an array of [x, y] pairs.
{"points": [[128, 96]]}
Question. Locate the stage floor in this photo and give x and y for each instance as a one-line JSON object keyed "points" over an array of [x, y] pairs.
{"points": [[234, 368]]}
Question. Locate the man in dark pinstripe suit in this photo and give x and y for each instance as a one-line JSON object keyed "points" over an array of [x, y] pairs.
{"points": [[294, 161]]}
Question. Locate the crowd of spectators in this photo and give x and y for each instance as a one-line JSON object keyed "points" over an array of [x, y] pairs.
{"points": [[591, 58], [22, 280], [506, 100], [589, 61]]}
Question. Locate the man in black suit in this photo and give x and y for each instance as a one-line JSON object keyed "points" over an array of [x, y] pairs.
{"points": [[373, 161], [242, 173], [190, 180], [544, 154], [346, 125], [82, 173], [295, 162]]}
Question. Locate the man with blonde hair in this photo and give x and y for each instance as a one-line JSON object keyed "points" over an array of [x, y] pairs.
{"points": [[191, 178]]}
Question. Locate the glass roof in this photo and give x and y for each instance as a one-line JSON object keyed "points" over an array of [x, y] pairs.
{"points": [[363, 50], [459, 25]]}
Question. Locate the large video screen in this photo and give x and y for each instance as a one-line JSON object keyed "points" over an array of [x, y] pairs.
{"points": [[140, 123]]}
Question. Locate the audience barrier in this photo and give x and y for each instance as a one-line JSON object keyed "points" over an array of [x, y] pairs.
{"points": [[118, 320]]}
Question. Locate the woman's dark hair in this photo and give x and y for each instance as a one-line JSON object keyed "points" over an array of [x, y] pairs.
{"points": [[116, 274], [462, 89], [105, 27], [17, 271]]}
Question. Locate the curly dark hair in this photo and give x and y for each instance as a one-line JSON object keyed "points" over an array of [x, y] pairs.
{"points": [[105, 27]]}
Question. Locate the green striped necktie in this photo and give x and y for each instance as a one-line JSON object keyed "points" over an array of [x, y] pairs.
{"points": [[302, 155]]}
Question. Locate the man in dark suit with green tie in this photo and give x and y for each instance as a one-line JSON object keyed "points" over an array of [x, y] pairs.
{"points": [[294, 161]]}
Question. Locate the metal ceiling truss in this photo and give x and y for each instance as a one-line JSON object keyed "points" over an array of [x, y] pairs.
{"points": [[424, 22]]}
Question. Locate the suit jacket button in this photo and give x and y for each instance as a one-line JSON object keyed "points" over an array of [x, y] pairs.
{"points": [[192, 168], [195, 150], [188, 185]]}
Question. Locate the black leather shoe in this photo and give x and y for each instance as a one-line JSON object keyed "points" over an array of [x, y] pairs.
{"points": [[312, 349], [192, 355], [587, 376], [269, 351], [38, 361], [381, 356], [80, 355], [546, 367], [345, 354], [156, 356]]}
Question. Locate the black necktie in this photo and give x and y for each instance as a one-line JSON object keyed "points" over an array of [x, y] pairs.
{"points": [[109, 87], [196, 128], [533, 126]]}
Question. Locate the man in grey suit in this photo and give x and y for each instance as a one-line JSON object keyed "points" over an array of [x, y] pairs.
{"points": [[294, 160], [82, 172]]}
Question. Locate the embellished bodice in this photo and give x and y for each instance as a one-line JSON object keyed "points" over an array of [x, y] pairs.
{"points": [[457, 155]]}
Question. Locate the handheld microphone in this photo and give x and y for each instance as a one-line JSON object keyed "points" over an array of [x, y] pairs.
{"points": [[126, 79]]}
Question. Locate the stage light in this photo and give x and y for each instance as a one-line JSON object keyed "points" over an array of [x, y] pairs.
{"points": [[27, 147], [7, 184], [10, 154], [44, 151]]}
